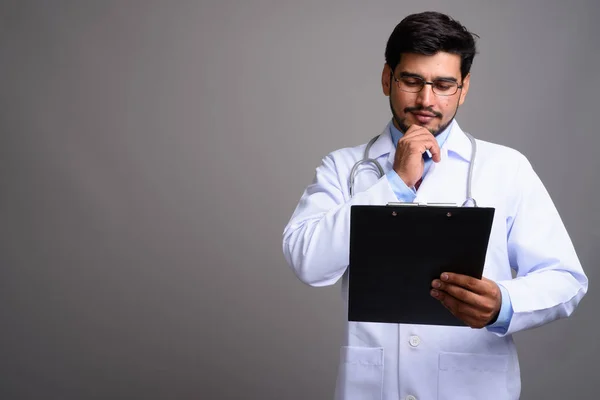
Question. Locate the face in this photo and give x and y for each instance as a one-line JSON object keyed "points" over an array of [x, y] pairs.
{"points": [[425, 108]]}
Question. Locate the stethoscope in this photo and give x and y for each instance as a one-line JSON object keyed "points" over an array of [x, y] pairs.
{"points": [[366, 159]]}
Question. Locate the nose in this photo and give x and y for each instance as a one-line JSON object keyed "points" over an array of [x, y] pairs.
{"points": [[426, 96]]}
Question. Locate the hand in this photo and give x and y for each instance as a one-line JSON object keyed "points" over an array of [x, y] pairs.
{"points": [[473, 301], [408, 162]]}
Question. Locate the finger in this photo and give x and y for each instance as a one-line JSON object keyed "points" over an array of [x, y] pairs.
{"points": [[489, 281], [478, 301], [457, 306], [457, 292], [424, 136], [420, 144], [468, 282], [412, 129], [415, 129], [470, 316], [436, 153], [433, 147]]}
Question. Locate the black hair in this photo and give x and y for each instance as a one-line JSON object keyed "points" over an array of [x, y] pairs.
{"points": [[428, 33]]}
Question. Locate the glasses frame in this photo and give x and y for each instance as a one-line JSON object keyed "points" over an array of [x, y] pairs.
{"points": [[424, 82]]}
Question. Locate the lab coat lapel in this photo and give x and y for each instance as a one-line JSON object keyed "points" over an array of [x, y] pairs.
{"points": [[383, 145]]}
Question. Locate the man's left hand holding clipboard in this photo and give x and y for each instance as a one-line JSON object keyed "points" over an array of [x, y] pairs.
{"points": [[475, 302]]}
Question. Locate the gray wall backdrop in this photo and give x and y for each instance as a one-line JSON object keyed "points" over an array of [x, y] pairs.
{"points": [[151, 153]]}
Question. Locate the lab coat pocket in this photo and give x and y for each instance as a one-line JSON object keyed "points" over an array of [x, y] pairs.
{"points": [[473, 376], [360, 374]]}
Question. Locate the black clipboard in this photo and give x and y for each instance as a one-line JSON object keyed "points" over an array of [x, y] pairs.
{"points": [[397, 250]]}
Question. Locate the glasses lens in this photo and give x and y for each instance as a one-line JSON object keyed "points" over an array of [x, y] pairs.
{"points": [[444, 88], [410, 84]]}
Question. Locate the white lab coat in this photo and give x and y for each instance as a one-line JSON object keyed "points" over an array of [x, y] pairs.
{"points": [[401, 361]]}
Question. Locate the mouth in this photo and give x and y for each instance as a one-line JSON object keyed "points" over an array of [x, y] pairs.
{"points": [[424, 117]]}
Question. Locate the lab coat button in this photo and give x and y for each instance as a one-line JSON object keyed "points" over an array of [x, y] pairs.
{"points": [[414, 342], [411, 397]]}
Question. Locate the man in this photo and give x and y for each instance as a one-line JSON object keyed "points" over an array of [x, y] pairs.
{"points": [[425, 157]]}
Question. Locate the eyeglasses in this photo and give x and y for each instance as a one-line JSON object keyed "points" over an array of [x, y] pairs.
{"points": [[414, 84]]}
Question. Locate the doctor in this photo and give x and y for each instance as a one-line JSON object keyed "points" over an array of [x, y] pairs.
{"points": [[425, 156]]}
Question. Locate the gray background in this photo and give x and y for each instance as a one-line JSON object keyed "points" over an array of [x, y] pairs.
{"points": [[153, 151]]}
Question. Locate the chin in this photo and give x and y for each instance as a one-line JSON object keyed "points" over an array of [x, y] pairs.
{"points": [[433, 128]]}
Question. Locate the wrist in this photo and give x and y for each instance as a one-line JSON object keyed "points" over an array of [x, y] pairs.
{"points": [[410, 183]]}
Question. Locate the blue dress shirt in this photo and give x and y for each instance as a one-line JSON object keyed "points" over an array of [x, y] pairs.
{"points": [[407, 195]]}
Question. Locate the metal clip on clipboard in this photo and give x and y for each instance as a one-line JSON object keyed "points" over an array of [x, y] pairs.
{"points": [[422, 204]]}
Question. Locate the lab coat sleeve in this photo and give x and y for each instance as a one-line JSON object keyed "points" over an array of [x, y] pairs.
{"points": [[550, 281], [317, 238]]}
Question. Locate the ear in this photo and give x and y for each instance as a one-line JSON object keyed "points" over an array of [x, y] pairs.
{"points": [[386, 75], [465, 89]]}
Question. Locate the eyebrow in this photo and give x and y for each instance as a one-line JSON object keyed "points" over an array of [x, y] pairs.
{"points": [[438, 78]]}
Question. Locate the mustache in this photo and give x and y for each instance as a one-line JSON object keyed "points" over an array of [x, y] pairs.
{"points": [[425, 109]]}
